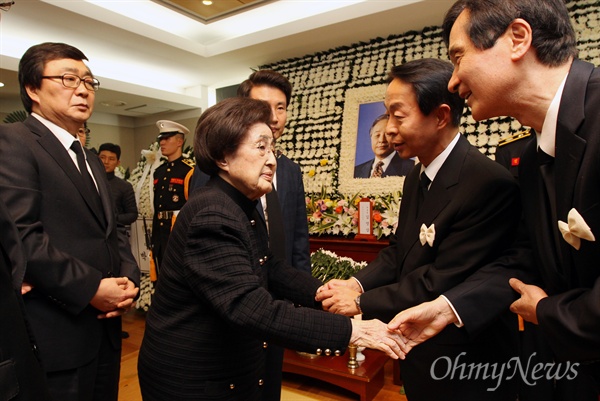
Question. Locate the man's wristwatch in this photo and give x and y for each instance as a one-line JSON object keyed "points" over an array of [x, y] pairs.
{"points": [[357, 302]]}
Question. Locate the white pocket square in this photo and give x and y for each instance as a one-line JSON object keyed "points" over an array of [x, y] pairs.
{"points": [[427, 234], [575, 230]]}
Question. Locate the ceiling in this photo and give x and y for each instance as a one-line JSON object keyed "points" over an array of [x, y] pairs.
{"points": [[155, 57], [211, 11]]}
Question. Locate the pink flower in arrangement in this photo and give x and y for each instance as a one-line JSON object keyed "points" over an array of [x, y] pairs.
{"points": [[355, 218], [317, 215]]}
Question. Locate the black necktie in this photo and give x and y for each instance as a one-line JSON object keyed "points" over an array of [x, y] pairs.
{"points": [[87, 178], [275, 222], [424, 182], [546, 163]]}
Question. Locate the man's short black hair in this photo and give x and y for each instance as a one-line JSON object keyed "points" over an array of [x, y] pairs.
{"points": [[111, 147]]}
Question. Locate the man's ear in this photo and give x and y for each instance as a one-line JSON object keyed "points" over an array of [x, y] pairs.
{"points": [[520, 34], [443, 114], [32, 92], [223, 165]]}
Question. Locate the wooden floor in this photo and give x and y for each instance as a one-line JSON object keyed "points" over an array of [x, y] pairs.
{"points": [[134, 323]]}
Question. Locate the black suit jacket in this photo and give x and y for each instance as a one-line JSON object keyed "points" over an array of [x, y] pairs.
{"points": [[397, 167], [474, 206], [124, 198], [21, 376], [213, 317], [69, 245], [570, 317], [290, 191]]}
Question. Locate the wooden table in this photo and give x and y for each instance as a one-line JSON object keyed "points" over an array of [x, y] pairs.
{"points": [[358, 250], [366, 380]]}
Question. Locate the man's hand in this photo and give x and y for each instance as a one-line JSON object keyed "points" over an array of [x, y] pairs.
{"points": [[375, 334], [339, 299], [335, 283], [421, 322], [530, 296], [114, 296], [25, 288]]}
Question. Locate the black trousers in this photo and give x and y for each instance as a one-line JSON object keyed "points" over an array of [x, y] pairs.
{"points": [[98, 380]]}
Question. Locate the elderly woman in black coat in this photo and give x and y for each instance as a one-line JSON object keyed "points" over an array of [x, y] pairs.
{"points": [[213, 315]]}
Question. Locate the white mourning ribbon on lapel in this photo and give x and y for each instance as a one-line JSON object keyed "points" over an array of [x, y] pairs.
{"points": [[575, 230], [427, 234]]}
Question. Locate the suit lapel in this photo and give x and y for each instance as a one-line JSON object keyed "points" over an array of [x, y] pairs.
{"points": [[365, 170], [569, 146], [394, 167], [103, 189], [536, 212], [57, 151], [447, 177], [399, 167], [282, 179], [281, 187], [407, 220], [436, 199]]}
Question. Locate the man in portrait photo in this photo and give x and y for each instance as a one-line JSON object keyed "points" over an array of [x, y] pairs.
{"points": [[386, 162]]}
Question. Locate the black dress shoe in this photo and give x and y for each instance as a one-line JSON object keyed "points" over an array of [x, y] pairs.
{"points": [[124, 334]]}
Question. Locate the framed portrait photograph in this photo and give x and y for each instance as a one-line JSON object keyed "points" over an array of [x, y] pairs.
{"points": [[364, 145], [368, 113]]}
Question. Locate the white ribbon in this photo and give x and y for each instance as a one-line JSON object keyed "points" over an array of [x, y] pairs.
{"points": [[153, 160], [427, 234], [575, 230]]}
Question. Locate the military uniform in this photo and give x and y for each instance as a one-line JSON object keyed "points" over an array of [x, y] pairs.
{"points": [[168, 199], [510, 148], [169, 190]]}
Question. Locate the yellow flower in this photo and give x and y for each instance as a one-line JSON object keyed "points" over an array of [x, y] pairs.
{"points": [[323, 162], [312, 172]]}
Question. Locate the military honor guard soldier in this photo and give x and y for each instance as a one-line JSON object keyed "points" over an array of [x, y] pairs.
{"points": [[169, 180]]}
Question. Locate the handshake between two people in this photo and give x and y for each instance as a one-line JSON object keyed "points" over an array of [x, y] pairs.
{"points": [[406, 330], [419, 323]]}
